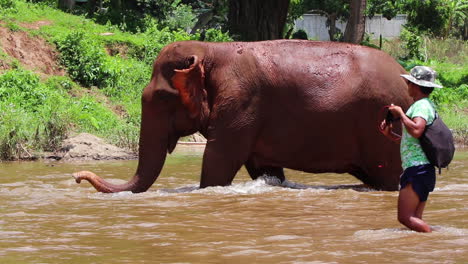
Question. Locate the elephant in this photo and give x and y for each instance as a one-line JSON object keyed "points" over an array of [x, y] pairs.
{"points": [[303, 105]]}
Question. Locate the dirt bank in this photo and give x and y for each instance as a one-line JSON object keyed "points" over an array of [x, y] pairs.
{"points": [[85, 146], [33, 53]]}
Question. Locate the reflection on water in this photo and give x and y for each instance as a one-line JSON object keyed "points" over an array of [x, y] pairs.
{"points": [[47, 218]]}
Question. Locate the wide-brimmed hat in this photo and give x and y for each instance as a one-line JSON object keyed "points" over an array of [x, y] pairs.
{"points": [[422, 76]]}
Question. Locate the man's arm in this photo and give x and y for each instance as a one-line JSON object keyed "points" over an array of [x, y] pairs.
{"points": [[415, 126]]}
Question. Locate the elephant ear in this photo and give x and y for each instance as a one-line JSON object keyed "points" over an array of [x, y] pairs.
{"points": [[190, 83]]}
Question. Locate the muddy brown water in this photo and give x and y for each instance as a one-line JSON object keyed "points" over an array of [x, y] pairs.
{"points": [[47, 218]]}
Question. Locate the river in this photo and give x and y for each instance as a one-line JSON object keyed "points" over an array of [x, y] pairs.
{"points": [[323, 218]]}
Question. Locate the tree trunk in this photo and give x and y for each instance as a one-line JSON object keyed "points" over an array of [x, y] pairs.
{"points": [[66, 4], [252, 20], [332, 26], [91, 7], [356, 26], [116, 5]]}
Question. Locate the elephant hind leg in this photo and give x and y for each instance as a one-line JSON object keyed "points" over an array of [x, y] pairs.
{"points": [[379, 178], [255, 171], [360, 174]]}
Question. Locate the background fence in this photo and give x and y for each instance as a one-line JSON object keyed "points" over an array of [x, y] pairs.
{"points": [[315, 26]]}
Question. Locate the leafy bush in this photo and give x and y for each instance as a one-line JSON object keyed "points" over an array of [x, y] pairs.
{"points": [[32, 115], [429, 15], [156, 40], [449, 96], [451, 75], [7, 6], [37, 116], [216, 35], [300, 34], [84, 59], [412, 44], [131, 76], [181, 17], [23, 89], [13, 133]]}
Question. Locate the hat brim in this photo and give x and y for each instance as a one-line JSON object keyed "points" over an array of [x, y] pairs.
{"points": [[420, 82]]}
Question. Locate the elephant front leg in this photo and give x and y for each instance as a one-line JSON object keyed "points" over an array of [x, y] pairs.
{"points": [[220, 164], [257, 171]]}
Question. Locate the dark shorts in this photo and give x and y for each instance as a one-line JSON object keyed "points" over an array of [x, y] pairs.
{"points": [[422, 178]]}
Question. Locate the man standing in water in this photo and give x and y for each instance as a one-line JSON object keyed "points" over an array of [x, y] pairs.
{"points": [[418, 178]]}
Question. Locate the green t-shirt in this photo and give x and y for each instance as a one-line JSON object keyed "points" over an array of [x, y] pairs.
{"points": [[411, 151]]}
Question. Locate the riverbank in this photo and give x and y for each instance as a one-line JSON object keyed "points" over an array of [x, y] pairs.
{"points": [[87, 147]]}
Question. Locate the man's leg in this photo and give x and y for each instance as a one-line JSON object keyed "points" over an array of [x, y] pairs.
{"points": [[420, 210], [410, 210]]}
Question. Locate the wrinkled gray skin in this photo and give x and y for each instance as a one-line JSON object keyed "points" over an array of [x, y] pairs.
{"points": [[304, 105]]}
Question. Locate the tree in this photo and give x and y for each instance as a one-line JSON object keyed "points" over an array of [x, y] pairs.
{"points": [[66, 4], [251, 20], [388, 8], [457, 23], [429, 16], [92, 7], [356, 26]]}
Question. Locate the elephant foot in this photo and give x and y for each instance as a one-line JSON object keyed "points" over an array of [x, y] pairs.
{"points": [[271, 174], [272, 180]]}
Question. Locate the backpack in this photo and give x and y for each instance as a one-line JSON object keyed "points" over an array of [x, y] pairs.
{"points": [[437, 143]]}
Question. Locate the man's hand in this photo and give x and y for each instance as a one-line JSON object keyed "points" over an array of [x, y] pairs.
{"points": [[396, 111], [386, 129]]}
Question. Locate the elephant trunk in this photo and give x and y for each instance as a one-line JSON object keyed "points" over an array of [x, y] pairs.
{"points": [[152, 155], [145, 176]]}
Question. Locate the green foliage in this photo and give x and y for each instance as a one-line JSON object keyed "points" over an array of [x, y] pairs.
{"points": [[84, 59], [366, 41], [181, 17], [7, 6], [36, 115], [454, 78], [450, 95], [133, 16], [24, 87], [156, 39], [388, 9], [457, 24], [450, 50], [31, 115], [158, 9], [13, 26], [412, 44], [300, 34], [427, 16], [216, 35]]}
